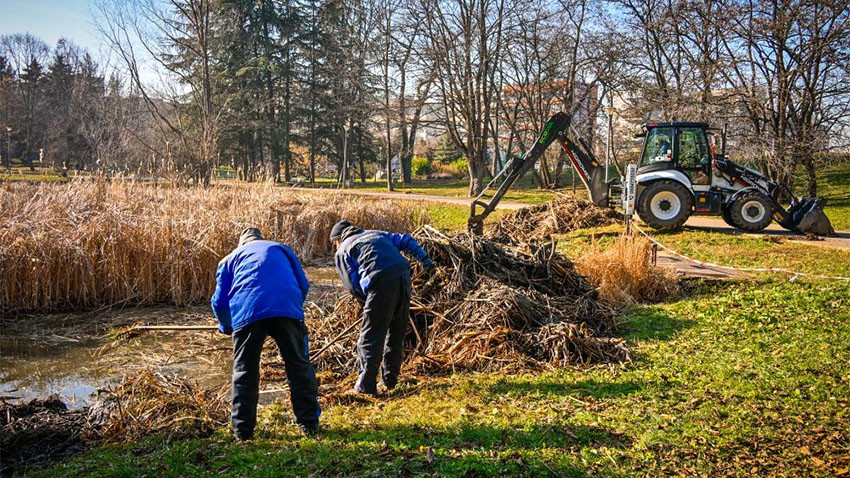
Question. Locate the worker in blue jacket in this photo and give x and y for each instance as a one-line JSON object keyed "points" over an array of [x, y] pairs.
{"points": [[372, 268], [260, 292]]}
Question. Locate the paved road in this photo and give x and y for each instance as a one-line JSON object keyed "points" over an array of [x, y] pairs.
{"points": [[841, 240]]}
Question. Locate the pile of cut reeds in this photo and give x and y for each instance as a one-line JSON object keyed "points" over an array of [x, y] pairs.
{"points": [[490, 308], [41, 431], [151, 402], [94, 243], [562, 215]]}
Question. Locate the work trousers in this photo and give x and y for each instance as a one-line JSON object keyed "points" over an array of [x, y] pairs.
{"points": [[385, 317], [291, 338]]}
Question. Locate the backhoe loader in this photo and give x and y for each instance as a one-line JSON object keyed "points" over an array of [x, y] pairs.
{"points": [[679, 175]]}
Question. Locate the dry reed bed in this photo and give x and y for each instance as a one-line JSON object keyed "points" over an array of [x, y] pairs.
{"points": [[94, 243]]}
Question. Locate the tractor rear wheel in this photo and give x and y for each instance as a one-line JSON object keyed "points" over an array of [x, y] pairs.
{"points": [[751, 212], [665, 205]]}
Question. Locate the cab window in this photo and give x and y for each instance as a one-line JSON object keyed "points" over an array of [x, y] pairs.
{"points": [[659, 146], [693, 148]]}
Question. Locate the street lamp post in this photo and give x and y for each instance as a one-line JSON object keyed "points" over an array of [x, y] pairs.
{"points": [[8, 149], [344, 157], [609, 111]]}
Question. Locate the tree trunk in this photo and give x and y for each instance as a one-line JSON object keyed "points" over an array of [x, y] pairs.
{"points": [[811, 177]]}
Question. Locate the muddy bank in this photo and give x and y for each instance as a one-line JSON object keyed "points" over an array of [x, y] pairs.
{"points": [[42, 431], [39, 431], [60, 376]]}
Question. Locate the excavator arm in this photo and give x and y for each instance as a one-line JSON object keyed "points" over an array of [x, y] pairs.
{"points": [[581, 157]]}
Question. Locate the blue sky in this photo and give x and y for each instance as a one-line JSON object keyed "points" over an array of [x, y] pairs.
{"points": [[50, 21]]}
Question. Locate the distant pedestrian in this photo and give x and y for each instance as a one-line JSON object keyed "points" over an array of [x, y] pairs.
{"points": [[260, 292], [372, 268]]}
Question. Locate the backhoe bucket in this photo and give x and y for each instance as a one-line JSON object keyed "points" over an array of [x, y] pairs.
{"points": [[807, 216]]}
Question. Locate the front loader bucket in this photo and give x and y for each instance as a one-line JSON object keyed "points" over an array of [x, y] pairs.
{"points": [[807, 216]]}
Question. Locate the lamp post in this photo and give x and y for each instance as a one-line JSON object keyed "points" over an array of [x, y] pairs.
{"points": [[8, 149], [609, 112], [344, 157]]}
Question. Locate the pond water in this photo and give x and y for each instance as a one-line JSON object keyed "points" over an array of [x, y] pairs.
{"points": [[71, 355]]}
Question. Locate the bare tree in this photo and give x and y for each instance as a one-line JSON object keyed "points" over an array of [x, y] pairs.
{"points": [[788, 68], [177, 37], [466, 41]]}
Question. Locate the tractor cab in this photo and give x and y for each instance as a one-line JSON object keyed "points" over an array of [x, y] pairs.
{"points": [[681, 147]]}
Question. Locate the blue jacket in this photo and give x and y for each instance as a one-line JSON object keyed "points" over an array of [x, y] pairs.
{"points": [[259, 280], [365, 257]]}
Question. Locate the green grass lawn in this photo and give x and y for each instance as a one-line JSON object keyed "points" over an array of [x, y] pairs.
{"points": [[834, 185], [737, 379], [524, 191], [33, 177], [23, 173]]}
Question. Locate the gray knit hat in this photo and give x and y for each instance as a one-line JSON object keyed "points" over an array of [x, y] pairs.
{"points": [[338, 229], [250, 234]]}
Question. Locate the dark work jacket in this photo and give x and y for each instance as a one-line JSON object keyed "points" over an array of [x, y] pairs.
{"points": [[365, 257]]}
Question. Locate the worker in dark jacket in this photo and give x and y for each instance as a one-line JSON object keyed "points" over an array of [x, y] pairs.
{"points": [[372, 268], [260, 292]]}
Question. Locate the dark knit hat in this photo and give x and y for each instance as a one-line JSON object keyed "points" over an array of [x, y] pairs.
{"points": [[250, 234], [339, 228]]}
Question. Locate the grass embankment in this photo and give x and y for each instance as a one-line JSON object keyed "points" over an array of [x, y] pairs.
{"points": [[732, 249], [737, 379], [523, 191], [834, 185]]}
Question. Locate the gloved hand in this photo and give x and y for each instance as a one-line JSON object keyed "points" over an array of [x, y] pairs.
{"points": [[430, 269]]}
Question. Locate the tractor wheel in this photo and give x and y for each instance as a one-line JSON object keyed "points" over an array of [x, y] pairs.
{"points": [[751, 212], [727, 218], [665, 204]]}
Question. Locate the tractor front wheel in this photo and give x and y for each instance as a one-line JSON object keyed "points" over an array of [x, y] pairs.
{"points": [[665, 205], [727, 217], [751, 212]]}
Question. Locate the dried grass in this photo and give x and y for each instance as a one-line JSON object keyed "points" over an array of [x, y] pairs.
{"points": [[93, 243], [151, 402], [624, 274]]}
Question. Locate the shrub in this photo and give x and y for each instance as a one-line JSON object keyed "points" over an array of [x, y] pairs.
{"points": [[624, 274], [420, 166], [461, 166]]}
